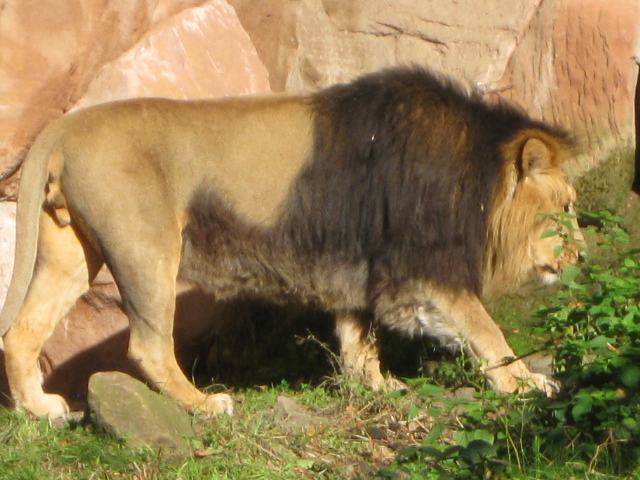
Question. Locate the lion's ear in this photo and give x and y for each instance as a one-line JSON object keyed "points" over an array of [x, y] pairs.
{"points": [[536, 157]]}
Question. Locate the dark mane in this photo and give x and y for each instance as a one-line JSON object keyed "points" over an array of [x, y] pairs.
{"points": [[387, 182]]}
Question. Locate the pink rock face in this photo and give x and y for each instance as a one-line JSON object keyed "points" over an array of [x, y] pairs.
{"points": [[198, 53], [50, 51], [581, 55], [564, 61], [568, 62], [311, 44]]}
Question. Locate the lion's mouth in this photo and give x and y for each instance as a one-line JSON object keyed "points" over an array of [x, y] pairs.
{"points": [[548, 273]]}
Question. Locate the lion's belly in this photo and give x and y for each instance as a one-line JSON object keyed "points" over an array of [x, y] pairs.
{"points": [[277, 275]]}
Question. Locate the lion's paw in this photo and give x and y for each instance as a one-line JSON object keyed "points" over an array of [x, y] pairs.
{"points": [[545, 384], [382, 384], [393, 384], [521, 380], [51, 406], [218, 403]]}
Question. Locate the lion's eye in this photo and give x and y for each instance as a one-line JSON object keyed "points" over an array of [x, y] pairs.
{"points": [[567, 208]]}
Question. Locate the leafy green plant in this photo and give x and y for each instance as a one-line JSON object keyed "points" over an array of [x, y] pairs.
{"points": [[596, 336]]}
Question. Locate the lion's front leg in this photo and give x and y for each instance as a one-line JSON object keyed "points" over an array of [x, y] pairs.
{"points": [[359, 352], [486, 342]]}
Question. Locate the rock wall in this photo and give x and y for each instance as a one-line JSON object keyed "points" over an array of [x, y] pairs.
{"points": [[310, 44], [581, 55], [565, 61]]}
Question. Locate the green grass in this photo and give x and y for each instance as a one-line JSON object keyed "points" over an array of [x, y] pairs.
{"points": [[363, 435], [249, 445]]}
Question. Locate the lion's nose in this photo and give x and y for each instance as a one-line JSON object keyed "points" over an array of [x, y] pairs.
{"points": [[582, 255]]}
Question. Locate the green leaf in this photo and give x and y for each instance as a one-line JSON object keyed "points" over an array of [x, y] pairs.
{"points": [[549, 233], [631, 424], [630, 376], [451, 452], [569, 274], [465, 437], [565, 223], [434, 434], [414, 412], [484, 448], [600, 342], [582, 407], [432, 452], [558, 250], [396, 394], [407, 454], [435, 411], [430, 390]]}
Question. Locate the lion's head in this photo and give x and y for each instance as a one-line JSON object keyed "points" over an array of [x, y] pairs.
{"points": [[533, 223]]}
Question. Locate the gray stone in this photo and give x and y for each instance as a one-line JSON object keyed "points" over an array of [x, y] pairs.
{"points": [[128, 410], [540, 363], [290, 413]]}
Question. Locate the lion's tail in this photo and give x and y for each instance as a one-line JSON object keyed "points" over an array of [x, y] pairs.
{"points": [[31, 195]]}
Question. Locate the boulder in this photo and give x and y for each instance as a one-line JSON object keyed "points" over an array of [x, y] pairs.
{"points": [[129, 411], [51, 51], [198, 53]]}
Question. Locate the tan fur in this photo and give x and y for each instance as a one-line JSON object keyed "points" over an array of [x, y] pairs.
{"points": [[113, 183]]}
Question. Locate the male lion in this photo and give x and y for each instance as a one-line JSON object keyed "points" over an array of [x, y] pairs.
{"points": [[395, 200]]}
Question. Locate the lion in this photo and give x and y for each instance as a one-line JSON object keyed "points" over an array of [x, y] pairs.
{"points": [[397, 200]]}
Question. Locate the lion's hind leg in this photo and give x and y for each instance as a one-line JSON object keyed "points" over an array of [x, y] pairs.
{"points": [[145, 273], [63, 271]]}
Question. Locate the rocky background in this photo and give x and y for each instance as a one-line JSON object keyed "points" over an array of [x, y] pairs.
{"points": [[570, 62]]}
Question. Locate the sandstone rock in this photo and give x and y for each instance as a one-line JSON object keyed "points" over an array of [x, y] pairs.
{"points": [[311, 44], [574, 66], [129, 411], [51, 50], [198, 53]]}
